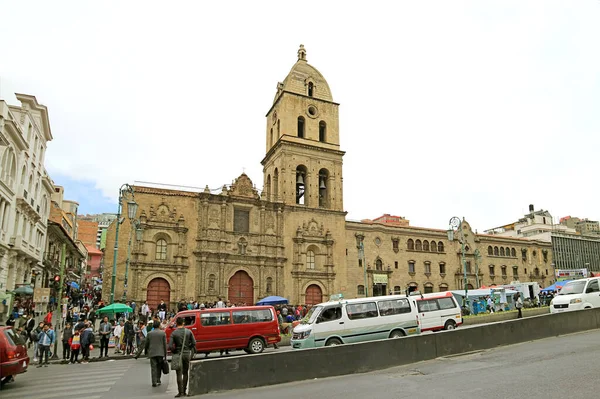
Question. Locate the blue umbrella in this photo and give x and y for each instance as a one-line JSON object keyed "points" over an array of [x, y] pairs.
{"points": [[74, 285], [273, 300]]}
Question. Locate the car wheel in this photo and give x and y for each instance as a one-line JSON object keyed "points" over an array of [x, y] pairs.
{"points": [[450, 325], [397, 334], [333, 342], [256, 345]]}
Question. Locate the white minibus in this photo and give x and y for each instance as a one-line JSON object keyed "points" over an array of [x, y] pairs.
{"points": [[356, 320], [576, 295], [437, 311]]}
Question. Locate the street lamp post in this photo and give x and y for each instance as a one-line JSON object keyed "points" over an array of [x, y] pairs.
{"points": [[360, 238], [553, 272], [124, 190], [456, 225]]}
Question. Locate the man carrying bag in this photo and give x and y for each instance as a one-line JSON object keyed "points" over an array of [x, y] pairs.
{"points": [[156, 345], [183, 346]]}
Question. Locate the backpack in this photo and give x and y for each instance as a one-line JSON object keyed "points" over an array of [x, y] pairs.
{"points": [[33, 335], [92, 338]]}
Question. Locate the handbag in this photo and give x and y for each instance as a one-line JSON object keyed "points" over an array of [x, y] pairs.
{"points": [[177, 359], [165, 366]]}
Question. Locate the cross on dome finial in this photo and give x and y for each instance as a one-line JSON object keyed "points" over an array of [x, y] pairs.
{"points": [[301, 53]]}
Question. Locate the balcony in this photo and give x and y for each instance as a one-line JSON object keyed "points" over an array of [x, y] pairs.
{"points": [[21, 245], [27, 206]]}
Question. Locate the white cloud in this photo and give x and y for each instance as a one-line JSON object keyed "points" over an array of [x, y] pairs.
{"points": [[468, 108]]}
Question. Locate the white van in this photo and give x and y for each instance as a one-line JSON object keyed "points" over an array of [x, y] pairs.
{"points": [[356, 320], [577, 294], [438, 311]]}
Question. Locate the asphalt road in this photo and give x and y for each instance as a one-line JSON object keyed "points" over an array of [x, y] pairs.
{"points": [[560, 367]]}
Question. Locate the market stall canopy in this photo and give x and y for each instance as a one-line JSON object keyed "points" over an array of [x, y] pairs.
{"points": [[483, 292], [115, 308], [556, 286], [23, 290], [74, 285], [273, 300]]}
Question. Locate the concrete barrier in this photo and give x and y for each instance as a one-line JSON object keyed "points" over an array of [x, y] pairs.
{"points": [[502, 316], [280, 367]]}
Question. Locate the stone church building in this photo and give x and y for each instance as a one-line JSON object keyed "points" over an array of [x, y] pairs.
{"points": [[293, 239]]}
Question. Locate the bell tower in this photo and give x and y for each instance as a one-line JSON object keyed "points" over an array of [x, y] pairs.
{"points": [[303, 163]]}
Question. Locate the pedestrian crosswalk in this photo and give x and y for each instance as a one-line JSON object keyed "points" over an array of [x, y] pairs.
{"points": [[91, 381]]}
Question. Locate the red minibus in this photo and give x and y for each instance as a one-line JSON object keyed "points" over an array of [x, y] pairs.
{"points": [[248, 328]]}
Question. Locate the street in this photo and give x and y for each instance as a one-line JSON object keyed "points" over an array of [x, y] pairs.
{"points": [[99, 380], [565, 366]]}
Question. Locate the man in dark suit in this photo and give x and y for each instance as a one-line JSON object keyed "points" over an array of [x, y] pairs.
{"points": [[156, 346]]}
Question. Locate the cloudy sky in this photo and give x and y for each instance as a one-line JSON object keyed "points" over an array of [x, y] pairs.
{"points": [[472, 109]]}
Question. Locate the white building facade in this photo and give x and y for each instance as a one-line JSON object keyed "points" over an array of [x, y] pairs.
{"points": [[25, 192]]}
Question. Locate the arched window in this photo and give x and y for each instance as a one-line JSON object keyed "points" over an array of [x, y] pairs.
{"points": [[378, 264], [278, 129], [501, 251], [513, 253], [410, 244], [271, 142], [360, 290], [507, 251], [324, 188], [30, 185], [161, 249], [443, 287], [536, 272], [418, 245], [211, 281], [301, 173], [490, 250], [425, 245], [276, 185], [23, 175], [469, 286], [433, 246], [428, 288], [503, 269], [492, 271], [310, 89], [322, 131], [496, 251], [440, 246], [397, 290], [301, 127], [310, 260], [269, 285], [268, 188]]}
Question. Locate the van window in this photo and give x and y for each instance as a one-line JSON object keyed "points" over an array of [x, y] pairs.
{"points": [[330, 314], [252, 316], [189, 320], [395, 306], [215, 319], [593, 286], [446, 303], [428, 305], [361, 310]]}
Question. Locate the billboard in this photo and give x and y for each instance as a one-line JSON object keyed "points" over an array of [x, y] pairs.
{"points": [[571, 274]]}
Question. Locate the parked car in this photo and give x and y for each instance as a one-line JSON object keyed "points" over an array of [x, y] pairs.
{"points": [[13, 355], [576, 295], [248, 328]]}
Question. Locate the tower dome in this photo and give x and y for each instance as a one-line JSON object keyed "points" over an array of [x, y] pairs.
{"points": [[305, 79]]}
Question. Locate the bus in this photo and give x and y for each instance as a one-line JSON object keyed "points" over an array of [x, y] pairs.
{"points": [[356, 320]]}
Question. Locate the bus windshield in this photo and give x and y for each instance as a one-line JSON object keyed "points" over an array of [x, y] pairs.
{"points": [[312, 314]]}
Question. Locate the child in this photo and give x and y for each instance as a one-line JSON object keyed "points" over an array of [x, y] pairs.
{"points": [[75, 344]]}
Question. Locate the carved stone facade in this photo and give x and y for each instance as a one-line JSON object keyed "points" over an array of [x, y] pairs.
{"points": [[292, 239]]}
